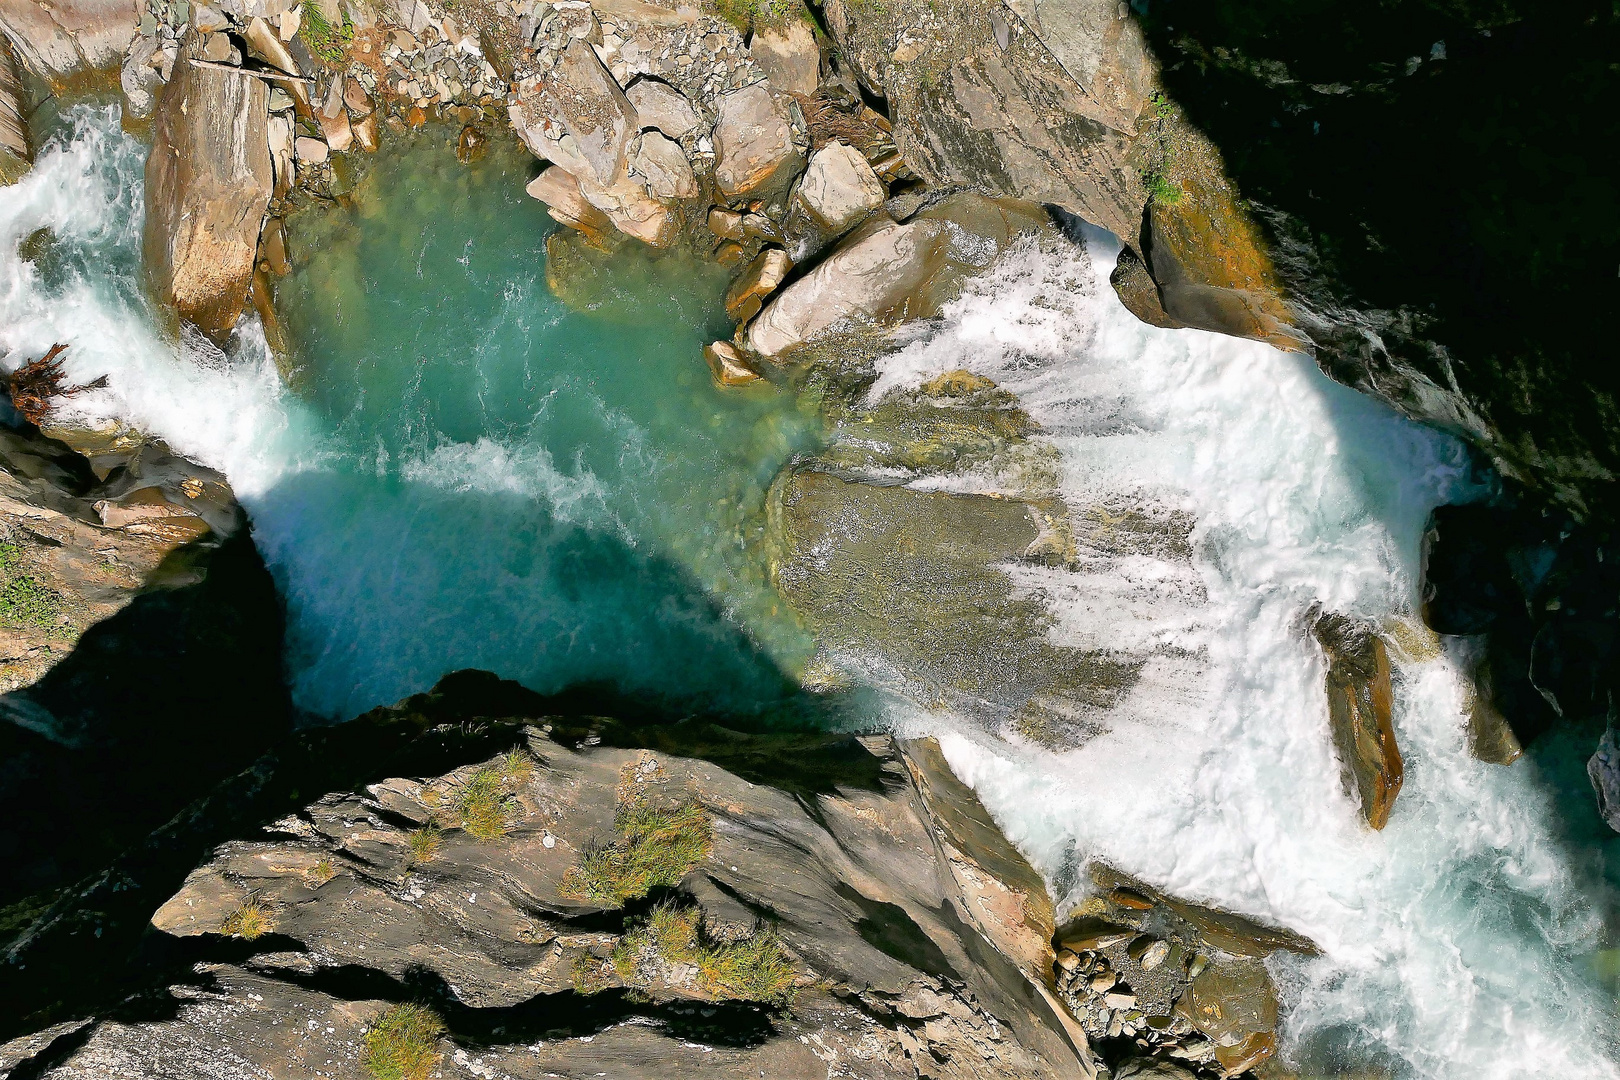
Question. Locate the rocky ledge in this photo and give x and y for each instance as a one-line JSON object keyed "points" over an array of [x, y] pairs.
{"points": [[605, 897]]}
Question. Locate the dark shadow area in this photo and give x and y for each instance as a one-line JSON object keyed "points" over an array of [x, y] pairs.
{"points": [[1442, 159], [887, 928], [180, 688]]}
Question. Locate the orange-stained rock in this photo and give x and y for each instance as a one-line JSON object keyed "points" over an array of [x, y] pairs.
{"points": [[728, 366], [1359, 706]]}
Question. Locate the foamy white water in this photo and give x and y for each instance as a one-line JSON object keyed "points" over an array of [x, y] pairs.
{"points": [[1457, 941]]}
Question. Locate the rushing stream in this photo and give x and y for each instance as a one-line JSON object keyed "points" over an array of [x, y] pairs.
{"points": [[473, 474]]}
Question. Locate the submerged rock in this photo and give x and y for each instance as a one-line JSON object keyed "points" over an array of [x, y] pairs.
{"points": [[858, 878], [208, 185], [906, 587], [1603, 769], [1359, 706]]}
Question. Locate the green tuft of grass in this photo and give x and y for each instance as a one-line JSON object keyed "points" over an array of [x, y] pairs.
{"points": [[1162, 189], [423, 844], [320, 873], [403, 1043], [330, 43], [483, 805], [755, 968], [656, 847], [249, 921]]}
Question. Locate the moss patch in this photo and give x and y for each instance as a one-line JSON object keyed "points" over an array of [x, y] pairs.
{"points": [[25, 601], [403, 1044], [656, 847], [330, 43]]}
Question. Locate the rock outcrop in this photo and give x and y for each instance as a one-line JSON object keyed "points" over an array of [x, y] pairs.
{"points": [[857, 877], [61, 40], [208, 185], [1359, 706]]}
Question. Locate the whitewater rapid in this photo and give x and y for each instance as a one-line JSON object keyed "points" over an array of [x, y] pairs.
{"points": [[1456, 942]]}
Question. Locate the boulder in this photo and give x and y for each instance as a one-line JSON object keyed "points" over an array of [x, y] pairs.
{"points": [[1234, 1003], [560, 192], [788, 54], [140, 78], [727, 365], [763, 276], [16, 156], [577, 118], [62, 39], [1359, 706], [365, 132], [1603, 769], [839, 188], [279, 136], [659, 105], [208, 183], [887, 272], [753, 143], [335, 128], [310, 149], [660, 162]]}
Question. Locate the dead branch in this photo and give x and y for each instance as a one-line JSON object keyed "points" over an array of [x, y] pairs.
{"points": [[36, 386]]}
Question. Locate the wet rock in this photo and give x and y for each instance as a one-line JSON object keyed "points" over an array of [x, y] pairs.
{"points": [[763, 276], [887, 272], [661, 106], [61, 39], [1359, 708], [208, 182], [16, 156], [365, 132], [1234, 1003], [839, 188], [1603, 769], [660, 161], [726, 224], [788, 55], [727, 365], [753, 143]]}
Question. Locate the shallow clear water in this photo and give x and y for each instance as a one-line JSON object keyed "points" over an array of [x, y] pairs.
{"points": [[473, 474]]}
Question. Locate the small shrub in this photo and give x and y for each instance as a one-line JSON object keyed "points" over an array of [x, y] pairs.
{"points": [[755, 968], [423, 844], [320, 873], [330, 43], [656, 848], [403, 1043], [23, 600], [249, 921]]}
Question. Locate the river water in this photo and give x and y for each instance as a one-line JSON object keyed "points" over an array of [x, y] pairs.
{"points": [[472, 473]]}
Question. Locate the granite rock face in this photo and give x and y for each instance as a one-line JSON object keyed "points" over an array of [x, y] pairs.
{"points": [[208, 185]]}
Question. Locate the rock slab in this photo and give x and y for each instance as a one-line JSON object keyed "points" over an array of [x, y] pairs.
{"points": [[208, 184]]}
